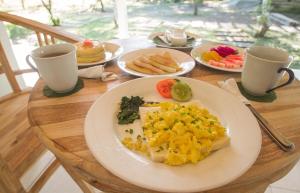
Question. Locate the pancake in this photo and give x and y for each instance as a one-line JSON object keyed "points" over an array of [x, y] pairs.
{"points": [[89, 51]]}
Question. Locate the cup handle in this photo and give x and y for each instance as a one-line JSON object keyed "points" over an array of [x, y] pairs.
{"points": [[30, 64], [290, 80]]}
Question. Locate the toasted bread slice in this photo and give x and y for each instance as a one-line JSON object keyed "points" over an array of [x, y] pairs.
{"points": [[220, 143], [134, 67], [157, 154]]}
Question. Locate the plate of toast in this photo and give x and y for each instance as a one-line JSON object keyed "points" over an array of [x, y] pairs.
{"points": [[156, 61]]}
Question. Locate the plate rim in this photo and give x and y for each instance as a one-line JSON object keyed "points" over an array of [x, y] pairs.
{"points": [[120, 50], [129, 180], [200, 61], [139, 74]]}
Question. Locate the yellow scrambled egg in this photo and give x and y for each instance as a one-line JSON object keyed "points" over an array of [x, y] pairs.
{"points": [[184, 133]]}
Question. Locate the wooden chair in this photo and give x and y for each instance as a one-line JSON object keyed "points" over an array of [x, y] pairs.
{"points": [[19, 147]]}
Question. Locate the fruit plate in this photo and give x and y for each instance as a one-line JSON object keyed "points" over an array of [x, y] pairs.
{"points": [[193, 40], [185, 61], [102, 136], [112, 51], [198, 51]]}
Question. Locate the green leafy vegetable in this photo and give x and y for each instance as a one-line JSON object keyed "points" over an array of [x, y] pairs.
{"points": [[129, 109]]}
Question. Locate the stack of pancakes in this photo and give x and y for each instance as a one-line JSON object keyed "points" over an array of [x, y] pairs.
{"points": [[89, 51]]}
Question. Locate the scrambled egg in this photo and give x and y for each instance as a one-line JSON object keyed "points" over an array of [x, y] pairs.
{"points": [[185, 133]]}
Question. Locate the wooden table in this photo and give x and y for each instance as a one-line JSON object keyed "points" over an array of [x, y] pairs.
{"points": [[59, 124]]}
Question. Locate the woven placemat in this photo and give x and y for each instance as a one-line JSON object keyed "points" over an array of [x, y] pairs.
{"points": [[267, 98], [48, 92]]}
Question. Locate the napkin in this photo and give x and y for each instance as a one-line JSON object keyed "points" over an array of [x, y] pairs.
{"points": [[164, 39], [97, 72], [231, 86]]}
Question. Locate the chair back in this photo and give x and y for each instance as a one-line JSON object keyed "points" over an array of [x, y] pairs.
{"points": [[6, 69]]}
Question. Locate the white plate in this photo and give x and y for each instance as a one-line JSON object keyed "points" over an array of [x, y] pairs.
{"points": [[185, 61], [112, 51], [218, 169], [164, 45], [198, 51]]}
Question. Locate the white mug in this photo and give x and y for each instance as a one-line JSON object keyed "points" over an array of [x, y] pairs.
{"points": [[264, 67], [57, 66], [176, 36]]}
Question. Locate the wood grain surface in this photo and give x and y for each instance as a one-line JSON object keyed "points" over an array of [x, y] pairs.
{"points": [[59, 124]]}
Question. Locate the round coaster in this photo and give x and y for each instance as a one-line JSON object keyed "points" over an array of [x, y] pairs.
{"points": [[268, 98], [48, 92]]}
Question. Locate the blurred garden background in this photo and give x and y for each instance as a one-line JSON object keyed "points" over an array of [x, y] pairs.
{"points": [[239, 22]]}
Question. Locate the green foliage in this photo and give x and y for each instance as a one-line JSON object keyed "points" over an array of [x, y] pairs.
{"points": [[294, 10], [48, 6], [263, 18], [16, 32], [264, 12], [99, 29], [55, 21]]}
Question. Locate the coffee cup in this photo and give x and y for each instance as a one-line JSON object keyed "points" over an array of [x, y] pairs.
{"points": [[263, 69], [57, 66]]}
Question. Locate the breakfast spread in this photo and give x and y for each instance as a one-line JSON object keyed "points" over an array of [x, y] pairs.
{"points": [[223, 56], [170, 132], [89, 51], [154, 64]]}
